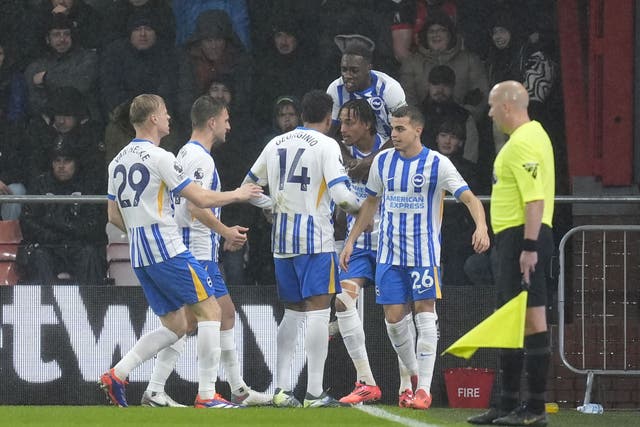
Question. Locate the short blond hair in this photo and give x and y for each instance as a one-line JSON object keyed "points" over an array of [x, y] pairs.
{"points": [[143, 106]]}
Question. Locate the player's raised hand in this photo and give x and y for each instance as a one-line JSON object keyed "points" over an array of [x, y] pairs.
{"points": [[248, 191]]}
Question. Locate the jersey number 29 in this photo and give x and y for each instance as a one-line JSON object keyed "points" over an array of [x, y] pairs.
{"points": [[137, 178]]}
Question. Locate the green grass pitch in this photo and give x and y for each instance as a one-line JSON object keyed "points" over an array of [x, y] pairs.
{"points": [[335, 417]]}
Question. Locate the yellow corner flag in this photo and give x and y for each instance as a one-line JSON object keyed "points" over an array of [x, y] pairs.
{"points": [[503, 329]]}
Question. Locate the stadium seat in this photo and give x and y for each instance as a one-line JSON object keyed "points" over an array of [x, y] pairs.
{"points": [[10, 232], [8, 273], [10, 238], [119, 264]]}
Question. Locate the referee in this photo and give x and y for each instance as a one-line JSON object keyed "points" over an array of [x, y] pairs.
{"points": [[521, 211]]}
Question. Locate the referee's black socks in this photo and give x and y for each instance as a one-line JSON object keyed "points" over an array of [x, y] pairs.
{"points": [[537, 357], [511, 361]]}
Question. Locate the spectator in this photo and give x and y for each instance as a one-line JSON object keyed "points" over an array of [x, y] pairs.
{"points": [[439, 106], [85, 21], [286, 115], [66, 119], [118, 12], [536, 21], [513, 57], [439, 44], [214, 51], [65, 64], [188, 12], [139, 63], [457, 223], [233, 159], [408, 21], [221, 89], [286, 68], [62, 237], [358, 80]]}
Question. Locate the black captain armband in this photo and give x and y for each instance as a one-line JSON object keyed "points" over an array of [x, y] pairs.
{"points": [[530, 245]]}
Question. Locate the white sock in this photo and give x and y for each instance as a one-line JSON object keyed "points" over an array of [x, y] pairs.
{"points": [[405, 374], [427, 346], [402, 342], [287, 340], [208, 357], [146, 347], [229, 360], [353, 337], [165, 362], [316, 342]]}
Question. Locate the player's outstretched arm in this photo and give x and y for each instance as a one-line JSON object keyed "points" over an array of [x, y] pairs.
{"points": [[208, 198], [480, 239]]}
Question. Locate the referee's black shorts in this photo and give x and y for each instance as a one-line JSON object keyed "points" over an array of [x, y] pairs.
{"points": [[508, 279]]}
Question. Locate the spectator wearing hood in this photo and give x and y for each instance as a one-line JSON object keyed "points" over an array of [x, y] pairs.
{"points": [[118, 12], [142, 62], [63, 237], [66, 119], [212, 52], [187, 13], [65, 64], [512, 56], [439, 44], [286, 68]]}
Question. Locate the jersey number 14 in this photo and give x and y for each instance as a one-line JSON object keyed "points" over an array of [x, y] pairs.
{"points": [[302, 179]]}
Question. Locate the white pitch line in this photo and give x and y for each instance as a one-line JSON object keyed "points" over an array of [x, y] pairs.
{"points": [[381, 413]]}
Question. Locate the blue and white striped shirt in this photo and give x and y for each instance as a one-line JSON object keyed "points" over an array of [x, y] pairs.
{"points": [[300, 166], [412, 192], [368, 240], [198, 165], [142, 178], [384, 95]]}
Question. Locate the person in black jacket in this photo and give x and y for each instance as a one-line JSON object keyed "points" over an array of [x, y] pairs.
{"points": [[142, 62], [66, 118], [285, 68], [439, 106], [457, 223], [63, 237]]}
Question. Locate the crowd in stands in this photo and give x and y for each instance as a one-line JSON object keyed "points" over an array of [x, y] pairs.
{"points": [[70, 68]]}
